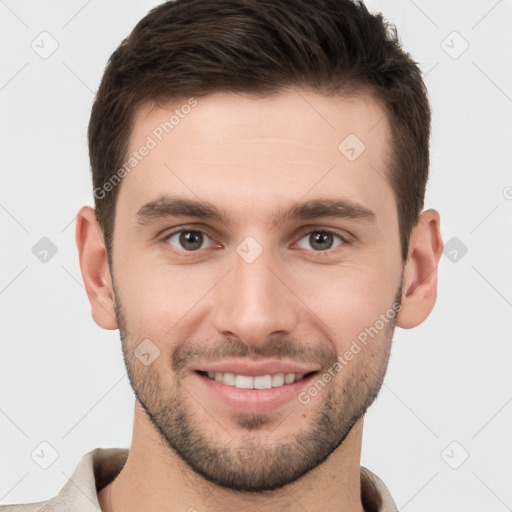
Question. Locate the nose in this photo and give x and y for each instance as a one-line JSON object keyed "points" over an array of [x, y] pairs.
{"points": [[254, 301]]}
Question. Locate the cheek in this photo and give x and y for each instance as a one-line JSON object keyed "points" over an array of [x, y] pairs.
{"points": [[348, 301], [159, 300]]}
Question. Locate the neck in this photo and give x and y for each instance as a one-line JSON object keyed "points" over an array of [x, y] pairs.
{"points": [[155, 478]]}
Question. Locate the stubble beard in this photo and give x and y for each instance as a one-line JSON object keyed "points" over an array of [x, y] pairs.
{"points": [[247, 463]]}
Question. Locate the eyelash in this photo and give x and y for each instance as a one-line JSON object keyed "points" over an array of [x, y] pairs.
{"points": [[345, 239]]}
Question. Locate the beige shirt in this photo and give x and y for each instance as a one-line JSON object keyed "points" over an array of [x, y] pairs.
{"points": [[101, 466]]}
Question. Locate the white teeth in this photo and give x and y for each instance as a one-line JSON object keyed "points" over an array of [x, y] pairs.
{"points": [[229, 379], [289, 378], [242, 381], [258, 382], [263, 382], [277, 380]]}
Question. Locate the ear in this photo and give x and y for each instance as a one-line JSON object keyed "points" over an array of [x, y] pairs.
{"points": [[94, 266], [419, 288]]}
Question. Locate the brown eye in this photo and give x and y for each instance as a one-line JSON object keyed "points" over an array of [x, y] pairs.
{"points": [[187, 239]]}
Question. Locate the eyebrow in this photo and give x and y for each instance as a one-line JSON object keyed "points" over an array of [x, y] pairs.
{"points": [[171, 206]]}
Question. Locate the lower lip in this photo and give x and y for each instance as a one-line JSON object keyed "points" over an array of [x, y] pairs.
{"points": [[254, 401]]}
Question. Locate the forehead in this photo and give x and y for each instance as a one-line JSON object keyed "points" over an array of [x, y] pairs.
{"points": [[241, 151]]}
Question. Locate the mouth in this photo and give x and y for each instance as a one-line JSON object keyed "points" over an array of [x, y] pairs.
{"points": [[252, 394], [268, 381]]}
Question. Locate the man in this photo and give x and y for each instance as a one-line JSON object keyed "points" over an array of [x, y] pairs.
{"points": [[259, 170]]}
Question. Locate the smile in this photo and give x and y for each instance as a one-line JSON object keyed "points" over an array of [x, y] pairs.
{"points": [[257, 382]]}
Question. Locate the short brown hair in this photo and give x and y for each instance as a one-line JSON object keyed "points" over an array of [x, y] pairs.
{"points": [[185, 48]]}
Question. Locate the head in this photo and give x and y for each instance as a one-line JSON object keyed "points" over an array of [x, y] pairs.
{"points": [[289, 142]]}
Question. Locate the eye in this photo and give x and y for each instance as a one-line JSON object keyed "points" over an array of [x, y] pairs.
{"points": [[321, 240], [187, 239]]}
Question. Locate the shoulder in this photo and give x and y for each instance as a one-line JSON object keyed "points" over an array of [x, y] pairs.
{"points": [[96, 469], [40, 506], [58, 503]]}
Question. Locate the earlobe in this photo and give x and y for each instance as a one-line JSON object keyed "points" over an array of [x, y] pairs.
{"points": [[419, 288], [94, 267]]}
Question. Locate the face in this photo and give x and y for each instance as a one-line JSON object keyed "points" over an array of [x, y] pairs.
{"points": [[252, 250]]}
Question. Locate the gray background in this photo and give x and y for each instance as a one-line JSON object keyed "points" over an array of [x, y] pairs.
{"points": [[447, 395]]}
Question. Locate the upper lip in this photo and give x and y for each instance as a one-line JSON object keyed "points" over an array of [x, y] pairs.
{"points": [[253, 369]]}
